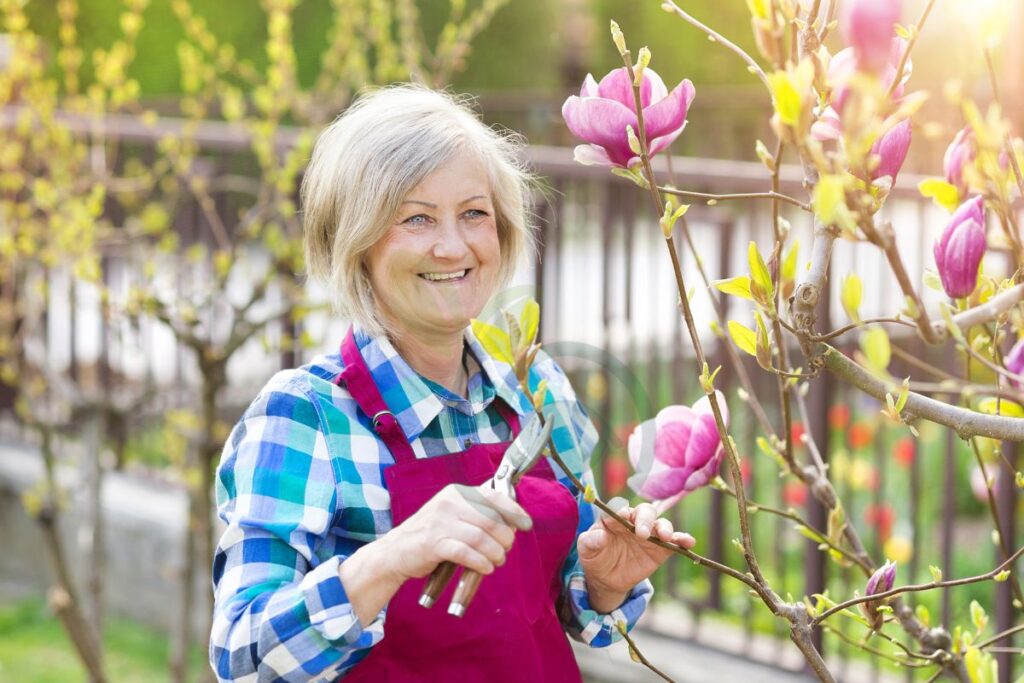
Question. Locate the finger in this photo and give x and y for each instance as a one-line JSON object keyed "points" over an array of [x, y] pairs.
{"points": [[480, 541], [510, 511], [488, 519], [644, 520], [591, 542], [663, 529], [684, 540], [462, 554]]}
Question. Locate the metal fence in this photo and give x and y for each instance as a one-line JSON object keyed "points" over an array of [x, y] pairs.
{"points": [[609, 309]]}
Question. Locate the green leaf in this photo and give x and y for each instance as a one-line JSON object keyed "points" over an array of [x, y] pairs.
{"points": [[737, 286], [763, 350], [829, 201], [760, 277], [942, 193], [978, 616], [495, 341], [786, 97], [788, 271], [1001, 576], [851, 296], [743, 337], [936, 573], [981, 666], [528, 321], [875, 344], [994, 406]]}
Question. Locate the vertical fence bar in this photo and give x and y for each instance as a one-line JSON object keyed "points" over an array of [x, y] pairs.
{"points": [[1006, 505]]}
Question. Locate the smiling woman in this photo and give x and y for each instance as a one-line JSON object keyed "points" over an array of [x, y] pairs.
{"points": [[351, 479]]}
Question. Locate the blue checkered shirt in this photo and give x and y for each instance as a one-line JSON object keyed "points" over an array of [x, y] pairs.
{"points": [[301, 487]]}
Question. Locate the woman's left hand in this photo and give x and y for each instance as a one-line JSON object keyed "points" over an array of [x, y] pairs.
{"points": [[614, 559]]}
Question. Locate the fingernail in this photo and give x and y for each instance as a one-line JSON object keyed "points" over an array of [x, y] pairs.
{"points": [[644, 529]]}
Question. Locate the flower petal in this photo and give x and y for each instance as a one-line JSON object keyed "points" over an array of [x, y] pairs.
{"points": [[618, 86], [589, 88], [672, 443], [704, 442], [601, 122], [828, 126], [703, 476], [964, 249], [652, 89], [892, 148], [669, 115], [659, 145], [591, 155], [664, 484]]}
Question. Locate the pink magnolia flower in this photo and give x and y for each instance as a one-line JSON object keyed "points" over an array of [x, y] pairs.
{"points": [[843, 66], [891, 149], [959, 155], [602, 111], [867, 26], [1014, 361], [958, 252], [677, 452], [882, 580]]}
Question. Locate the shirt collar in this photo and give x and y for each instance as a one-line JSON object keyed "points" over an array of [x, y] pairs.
{"points": [[408, 396]]}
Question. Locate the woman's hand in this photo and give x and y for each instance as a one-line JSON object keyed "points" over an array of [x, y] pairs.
{"points": [[471, 526], [614, 559]]}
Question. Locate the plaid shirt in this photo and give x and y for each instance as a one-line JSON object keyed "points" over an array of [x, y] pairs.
{"points": [[301, 487]]}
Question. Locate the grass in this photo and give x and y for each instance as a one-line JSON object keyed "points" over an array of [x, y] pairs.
{"points": [[34, 647]]}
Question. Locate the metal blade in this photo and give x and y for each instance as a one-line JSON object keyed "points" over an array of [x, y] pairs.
{"points": [[525, 450]]}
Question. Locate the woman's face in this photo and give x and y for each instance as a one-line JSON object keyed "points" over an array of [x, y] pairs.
{"points": [[437, 265]]}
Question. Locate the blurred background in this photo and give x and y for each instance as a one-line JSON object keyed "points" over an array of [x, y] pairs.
{"points": [[151, 282]]}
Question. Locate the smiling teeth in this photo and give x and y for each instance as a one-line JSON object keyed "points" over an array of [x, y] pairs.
{"points": [[444, 276]]}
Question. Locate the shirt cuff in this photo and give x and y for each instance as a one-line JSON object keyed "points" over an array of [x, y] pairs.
{"points": [[597, 629], [330, 611]]}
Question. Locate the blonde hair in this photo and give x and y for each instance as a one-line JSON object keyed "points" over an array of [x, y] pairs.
{"points": [[366, 162]]}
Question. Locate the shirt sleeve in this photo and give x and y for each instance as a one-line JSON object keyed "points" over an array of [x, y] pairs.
{"points": [[575, 437], [280, 611]]}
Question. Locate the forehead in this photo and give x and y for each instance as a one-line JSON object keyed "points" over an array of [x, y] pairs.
{"points": [[460, 176]]}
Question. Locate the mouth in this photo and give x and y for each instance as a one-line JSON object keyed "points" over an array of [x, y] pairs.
{"points": [[451, 277]]}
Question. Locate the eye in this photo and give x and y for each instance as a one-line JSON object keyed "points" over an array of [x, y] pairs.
{"points": [[475, 213], [418, 219]]}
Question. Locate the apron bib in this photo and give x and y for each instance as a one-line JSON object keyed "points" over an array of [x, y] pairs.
{"points": [[510, 632]]}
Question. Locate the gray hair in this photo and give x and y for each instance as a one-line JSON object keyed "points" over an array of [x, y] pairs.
{"points": [[366, 162]]}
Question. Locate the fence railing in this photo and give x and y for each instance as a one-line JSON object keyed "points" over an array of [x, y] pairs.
{"points": [[610, 317]]}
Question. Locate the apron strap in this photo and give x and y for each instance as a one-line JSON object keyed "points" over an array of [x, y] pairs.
{"points": [[359, 382]]}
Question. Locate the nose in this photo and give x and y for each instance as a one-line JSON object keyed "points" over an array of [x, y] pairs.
{"points": [[451, 241]]}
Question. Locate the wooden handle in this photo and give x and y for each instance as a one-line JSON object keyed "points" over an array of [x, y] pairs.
{"points": [[464, 592], [439, 579]]}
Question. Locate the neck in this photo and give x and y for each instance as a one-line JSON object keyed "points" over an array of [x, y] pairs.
{"points": [[436, 357]]}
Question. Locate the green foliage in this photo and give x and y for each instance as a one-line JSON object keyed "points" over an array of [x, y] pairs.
{"points": [[33, 647]]}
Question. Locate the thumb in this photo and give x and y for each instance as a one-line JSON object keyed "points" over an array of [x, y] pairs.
{"points": [[592, 543]]}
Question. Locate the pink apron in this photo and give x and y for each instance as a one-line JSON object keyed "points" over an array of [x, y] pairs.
{"points": [[510, 632]]}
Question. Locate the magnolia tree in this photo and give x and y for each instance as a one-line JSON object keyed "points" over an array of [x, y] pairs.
{"points": [[100, 191], [847, 118]]}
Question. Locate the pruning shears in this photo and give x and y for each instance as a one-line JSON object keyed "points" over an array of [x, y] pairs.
{"points": [[521, 455]]}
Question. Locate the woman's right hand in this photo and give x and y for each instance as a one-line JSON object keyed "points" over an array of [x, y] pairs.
{"points": [[471, 526]]}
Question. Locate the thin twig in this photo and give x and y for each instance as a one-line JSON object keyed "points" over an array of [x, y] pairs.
{"points": [[910, 46], [736, 195], [754, 67], [913, 588]]}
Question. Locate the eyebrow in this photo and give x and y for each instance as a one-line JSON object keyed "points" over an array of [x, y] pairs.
{"points": [[434, 206]]}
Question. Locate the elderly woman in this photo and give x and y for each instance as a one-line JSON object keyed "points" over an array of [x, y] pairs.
{"points": [[350, 479]]}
